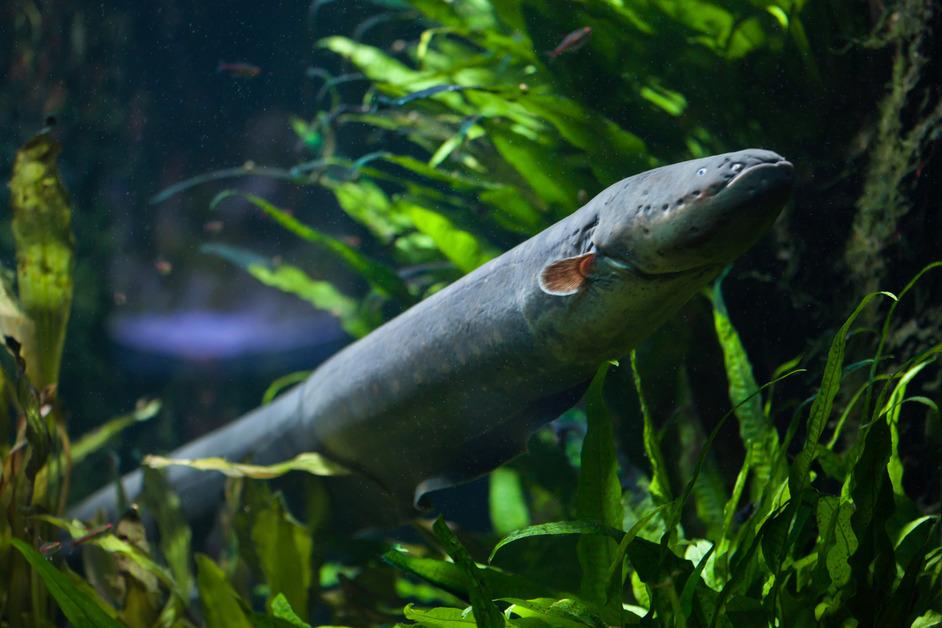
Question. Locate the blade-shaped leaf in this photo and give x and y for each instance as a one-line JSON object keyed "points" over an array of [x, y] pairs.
{"points": [[284, 548], [486, 613], [42, 232], [98, 437], [76, 604], [378, 275], [308, 462], [557, 528], [756, 430], [508, 504], [175, 534], [221, 604], [598, 497], [466, 250], [824, 401], [660, 483], [291, 279], [441, 617]]}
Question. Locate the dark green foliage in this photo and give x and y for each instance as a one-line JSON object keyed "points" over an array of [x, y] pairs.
{"points": [[598, 499], [78, 604], [485, 612]]}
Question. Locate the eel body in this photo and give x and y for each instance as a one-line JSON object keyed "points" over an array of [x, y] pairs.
{"points": [[453, 387]]}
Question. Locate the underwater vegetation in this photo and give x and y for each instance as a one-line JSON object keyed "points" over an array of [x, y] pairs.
{"points": [[447, 146]]}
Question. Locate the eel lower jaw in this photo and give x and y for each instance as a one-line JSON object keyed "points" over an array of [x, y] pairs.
{"points": [[626, 265], [780, 166]]}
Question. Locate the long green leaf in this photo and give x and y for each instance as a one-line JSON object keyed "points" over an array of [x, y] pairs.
{"points": [[97, 438], [564, 613], [756, 430], [660, 483], [888, 320], [175, 535], [452, 578], [42, 232], [114, 544], [892, 410], [441, 617], [378, 275], [598, 497], [485, 611], [283, 382], [39, 432], [508, 504], [366, 203], [824, 401], [281, 609], [466, 250], [533, 162], [77, 605], [291, 279], [284, 548], [379, 66], [309, 462], [693, 580], [614, 570], [221, 604], [558, 528], [612, 151]]}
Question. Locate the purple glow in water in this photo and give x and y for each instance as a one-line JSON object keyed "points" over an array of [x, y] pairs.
{"points": [[213, 335]]}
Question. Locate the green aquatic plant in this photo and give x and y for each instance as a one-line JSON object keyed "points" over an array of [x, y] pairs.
{"points": [[483, 141], [805, 554], [36, 454], [831, 536], [476, 140]]}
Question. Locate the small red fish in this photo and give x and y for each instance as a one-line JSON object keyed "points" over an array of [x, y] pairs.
{"points": [[51, 547], [571, 42], [239, 69], [213, 226]]}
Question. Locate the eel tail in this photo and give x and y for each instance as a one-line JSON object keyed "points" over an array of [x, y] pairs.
{"points": [[266, 435]]}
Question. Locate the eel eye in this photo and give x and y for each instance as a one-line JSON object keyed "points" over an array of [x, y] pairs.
{"points": [[736, 167], [701, 172]]}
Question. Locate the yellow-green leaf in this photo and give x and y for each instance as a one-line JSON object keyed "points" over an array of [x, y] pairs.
{"points": [[42, 232], [308, 462], [77, 604], [94, 440], [463, 248], [221, 604], [284, 547]]}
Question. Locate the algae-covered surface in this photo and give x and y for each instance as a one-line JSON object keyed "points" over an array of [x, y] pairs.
{"points": [[205, 202]]}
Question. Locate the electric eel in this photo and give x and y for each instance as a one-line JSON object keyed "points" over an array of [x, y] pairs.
{"points": [[453, 387]]}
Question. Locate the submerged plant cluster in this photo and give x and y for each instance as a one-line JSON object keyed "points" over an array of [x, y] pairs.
{"points": [[476, 140]]}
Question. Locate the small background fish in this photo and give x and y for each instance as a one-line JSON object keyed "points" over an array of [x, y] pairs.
{"points": [[571, 42], [239, 69]]}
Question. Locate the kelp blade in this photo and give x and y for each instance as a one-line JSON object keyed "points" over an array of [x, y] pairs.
{"points": [[42, 232], [312, 463]]}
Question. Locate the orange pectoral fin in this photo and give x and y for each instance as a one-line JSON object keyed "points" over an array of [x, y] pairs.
{"points": [[566, 276]]}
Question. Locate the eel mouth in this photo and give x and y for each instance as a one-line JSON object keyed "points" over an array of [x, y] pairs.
{"points": [[623, 263], [781, 168]]}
